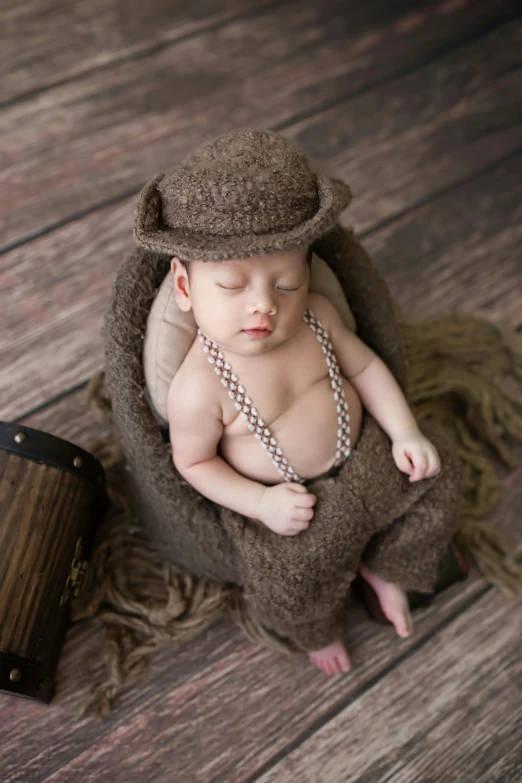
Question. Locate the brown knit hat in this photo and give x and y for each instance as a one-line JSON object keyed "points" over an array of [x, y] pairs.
{"points": [[243, 194]]}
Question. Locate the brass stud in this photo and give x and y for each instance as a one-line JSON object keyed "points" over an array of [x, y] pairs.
{"points": [[77, 462], [20, 437], [15, 675]]}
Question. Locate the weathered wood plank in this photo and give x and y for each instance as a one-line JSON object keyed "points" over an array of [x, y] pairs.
{"points": [[62, 40], [451, 711], [436, 259], [101, 136]]}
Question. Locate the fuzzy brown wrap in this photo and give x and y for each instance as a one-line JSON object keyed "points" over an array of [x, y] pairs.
{"points": [[297, 586], [184, 525]]}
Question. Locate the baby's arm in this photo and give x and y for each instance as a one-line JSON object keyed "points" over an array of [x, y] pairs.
{"points": [[380, 394], [196, 426]]}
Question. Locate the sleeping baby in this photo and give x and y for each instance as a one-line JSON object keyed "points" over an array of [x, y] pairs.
{"points": [[271, 397]]}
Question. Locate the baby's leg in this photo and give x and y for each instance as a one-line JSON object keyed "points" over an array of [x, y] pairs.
{"points": [[406, 555], [297, 586]]}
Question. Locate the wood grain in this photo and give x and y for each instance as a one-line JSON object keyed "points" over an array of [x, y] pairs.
{"points": [[45, 511], [452, 711], [63, 40], [427, 85]]}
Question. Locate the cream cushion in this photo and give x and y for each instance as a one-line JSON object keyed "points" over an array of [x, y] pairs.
{"points": [[170, 332]]}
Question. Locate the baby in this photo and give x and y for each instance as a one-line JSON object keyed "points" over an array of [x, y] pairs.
{"points": [[259, 368]]}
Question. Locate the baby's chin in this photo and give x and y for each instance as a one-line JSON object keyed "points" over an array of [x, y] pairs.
{"points": [[244, 345]]}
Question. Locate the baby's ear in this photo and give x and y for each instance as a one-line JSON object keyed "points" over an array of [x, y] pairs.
{"points": [[173, 264], [181, 286]]}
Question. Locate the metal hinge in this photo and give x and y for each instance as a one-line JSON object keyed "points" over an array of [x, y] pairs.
{"points": [[77, 575]]}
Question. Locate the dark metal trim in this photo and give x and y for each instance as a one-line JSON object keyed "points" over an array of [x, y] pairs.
{"points": [[34, 682], [47, 449]]}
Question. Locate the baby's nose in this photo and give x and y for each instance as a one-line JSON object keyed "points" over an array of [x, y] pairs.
{"points": [[263, 304]]}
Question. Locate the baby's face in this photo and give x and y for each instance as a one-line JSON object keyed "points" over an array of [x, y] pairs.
{"points": [[229, 297]]}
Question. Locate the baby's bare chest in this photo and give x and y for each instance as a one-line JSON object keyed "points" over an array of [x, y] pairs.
{"points": [[275, 382]]}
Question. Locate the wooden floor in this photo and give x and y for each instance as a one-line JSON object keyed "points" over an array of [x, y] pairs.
{"points": [[417, 105]]}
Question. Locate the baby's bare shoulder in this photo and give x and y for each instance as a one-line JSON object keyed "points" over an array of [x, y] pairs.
{"points": [[322, 308], [190, 385]]}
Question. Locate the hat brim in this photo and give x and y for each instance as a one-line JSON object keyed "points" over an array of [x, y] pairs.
{"points": [[334, 196]]}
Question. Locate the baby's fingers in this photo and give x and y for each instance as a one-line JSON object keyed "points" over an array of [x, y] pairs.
{"points": [[302, 513], [420, 464], [433, 464]]}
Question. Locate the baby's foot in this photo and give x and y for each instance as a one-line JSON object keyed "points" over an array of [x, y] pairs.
{"points": [[393, 601], [332, 659]]}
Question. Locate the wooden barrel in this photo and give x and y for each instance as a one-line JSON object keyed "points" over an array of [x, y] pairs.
{"points": [[52, 496]]}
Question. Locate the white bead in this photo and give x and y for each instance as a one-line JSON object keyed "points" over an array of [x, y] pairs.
{"points": [[244, 416], [251, 427], [266, 431], [206, 348], [248, 401], [279, 451], [241, 389], [227, 366], [232, 395], [273, 441], [257, 435], [234, 377], [211, 359], [217, 370], [219, 363], [237, 405]]}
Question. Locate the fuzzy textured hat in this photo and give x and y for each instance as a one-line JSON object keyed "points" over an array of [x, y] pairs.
{"points": [[243, 194]]}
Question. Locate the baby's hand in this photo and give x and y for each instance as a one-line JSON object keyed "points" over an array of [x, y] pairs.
{"points": [[285, 508], [415, 454]]}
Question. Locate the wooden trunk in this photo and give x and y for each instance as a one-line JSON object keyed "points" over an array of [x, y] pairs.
{"points": [[52, 495]]}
